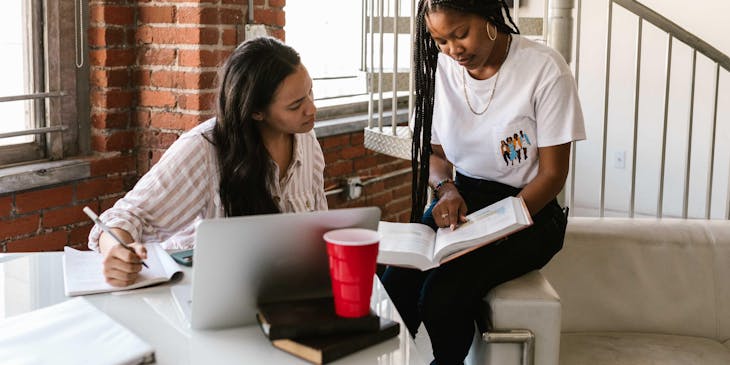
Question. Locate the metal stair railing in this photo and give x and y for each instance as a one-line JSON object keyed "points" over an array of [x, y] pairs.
{"points": [[697, 46]]}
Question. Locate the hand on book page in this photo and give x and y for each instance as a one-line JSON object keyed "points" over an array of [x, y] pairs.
{"points": [[83, 271], [411, 244]]}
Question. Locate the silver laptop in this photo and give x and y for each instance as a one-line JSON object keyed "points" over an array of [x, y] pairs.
{"points": [[242, 261]]}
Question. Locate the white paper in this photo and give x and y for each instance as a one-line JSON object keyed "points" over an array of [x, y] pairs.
{"points": [[407, 244], [72, 332], [83, 271], [481, 224]]}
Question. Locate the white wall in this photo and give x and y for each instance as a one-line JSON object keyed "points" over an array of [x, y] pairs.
{"points": [[531, 8], [706, 19], [641, 143]]}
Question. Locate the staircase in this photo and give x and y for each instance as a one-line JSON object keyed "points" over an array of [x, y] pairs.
{"points": [[655, 100]]}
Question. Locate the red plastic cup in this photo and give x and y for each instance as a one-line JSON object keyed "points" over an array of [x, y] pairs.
{"points": [[352, 255]]}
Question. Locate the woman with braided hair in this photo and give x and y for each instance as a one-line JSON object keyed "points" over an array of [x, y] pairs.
{"points": [[478, 82]]}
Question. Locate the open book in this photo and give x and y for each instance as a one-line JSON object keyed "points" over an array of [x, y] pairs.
{"points": [[416, 245], [71, 332], [82, 271]]}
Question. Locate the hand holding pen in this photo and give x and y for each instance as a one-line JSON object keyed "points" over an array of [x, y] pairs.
{"points": [[108, 230]]}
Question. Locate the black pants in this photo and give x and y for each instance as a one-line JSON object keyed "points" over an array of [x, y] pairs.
{"points": [[448, 299]]}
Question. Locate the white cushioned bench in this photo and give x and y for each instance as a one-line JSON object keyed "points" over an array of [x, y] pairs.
{"points": [[627, 292], [644, 291]]}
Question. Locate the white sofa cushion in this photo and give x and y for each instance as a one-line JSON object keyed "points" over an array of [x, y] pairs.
{"points": [[720, 232], [612, 348], [641, 275]]}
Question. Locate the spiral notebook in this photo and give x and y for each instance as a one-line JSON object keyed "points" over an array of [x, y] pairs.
{"points": [[71, 332], [83, 271]]}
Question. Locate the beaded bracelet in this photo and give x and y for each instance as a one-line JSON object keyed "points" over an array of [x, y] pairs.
{"points": [[441, 184]]}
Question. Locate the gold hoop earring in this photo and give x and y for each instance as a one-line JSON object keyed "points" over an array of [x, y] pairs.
{"points": [[489, 34]]}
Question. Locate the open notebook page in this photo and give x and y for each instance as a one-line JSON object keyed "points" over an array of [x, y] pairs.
{"points": [[82, 271]]}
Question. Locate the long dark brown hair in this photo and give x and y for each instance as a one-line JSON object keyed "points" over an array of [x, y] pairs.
{"points": [[425, 60], [249, 79]]}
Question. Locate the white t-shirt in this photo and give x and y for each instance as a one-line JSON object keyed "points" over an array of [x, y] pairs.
{"points": [[534, 105]]}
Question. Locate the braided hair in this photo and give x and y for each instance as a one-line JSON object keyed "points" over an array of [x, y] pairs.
{"points": [[425, 60]]}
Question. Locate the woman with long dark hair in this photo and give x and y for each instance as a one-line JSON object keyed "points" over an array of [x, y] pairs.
{"points": [[258, 156], [477, 82]]}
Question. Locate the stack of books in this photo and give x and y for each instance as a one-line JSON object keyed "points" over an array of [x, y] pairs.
{"points": [[311, 330]]}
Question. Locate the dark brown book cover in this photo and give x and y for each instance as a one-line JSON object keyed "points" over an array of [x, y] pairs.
{"points": [[310, 317], [324, 349]]}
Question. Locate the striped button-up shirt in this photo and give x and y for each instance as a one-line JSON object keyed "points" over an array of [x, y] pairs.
{"points": [[183, 188]]}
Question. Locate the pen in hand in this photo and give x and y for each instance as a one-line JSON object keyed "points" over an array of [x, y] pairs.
{"points": [[106, 229]]}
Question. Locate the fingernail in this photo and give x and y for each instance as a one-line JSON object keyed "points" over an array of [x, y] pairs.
{"points": [[452, 226]]}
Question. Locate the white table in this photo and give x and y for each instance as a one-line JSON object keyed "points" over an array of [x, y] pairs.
{"points": [[35, 280]]}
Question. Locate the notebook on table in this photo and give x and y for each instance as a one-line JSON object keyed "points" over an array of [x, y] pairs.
{"points": [[83, 271], [241, 262], [71, 332]]}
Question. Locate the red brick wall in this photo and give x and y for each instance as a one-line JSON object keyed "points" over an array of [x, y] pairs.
{"points": [[345, 156], [153, 69]]}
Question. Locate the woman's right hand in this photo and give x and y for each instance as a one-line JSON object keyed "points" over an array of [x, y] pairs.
{"points": [[122, 266], [450, 210]]}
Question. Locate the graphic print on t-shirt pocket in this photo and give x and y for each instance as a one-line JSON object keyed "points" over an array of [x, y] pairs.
{"points": [[515, 144]]}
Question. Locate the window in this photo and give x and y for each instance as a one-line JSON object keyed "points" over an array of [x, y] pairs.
{"points": [[44, 68], [338, 48], [330, 44]]}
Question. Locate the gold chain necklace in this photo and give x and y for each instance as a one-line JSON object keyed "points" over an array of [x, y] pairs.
{"points": [[491, 94]]}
